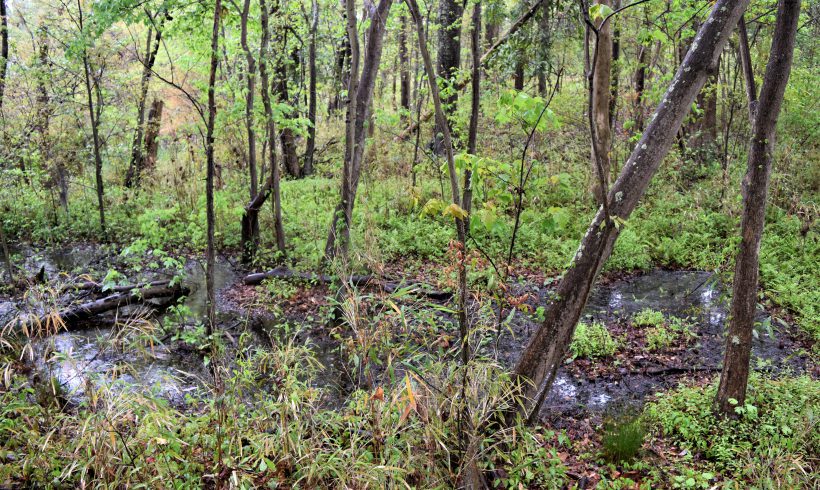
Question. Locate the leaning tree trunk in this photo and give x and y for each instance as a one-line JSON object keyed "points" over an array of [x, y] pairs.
{"points": [[548, 346], [209, 180], [735, 375]]}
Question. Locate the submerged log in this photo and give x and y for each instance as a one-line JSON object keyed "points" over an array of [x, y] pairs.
{"points": [[355, 280]]}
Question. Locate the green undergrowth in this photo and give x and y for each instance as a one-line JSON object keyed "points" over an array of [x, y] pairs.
{"points": [[773, 442]]}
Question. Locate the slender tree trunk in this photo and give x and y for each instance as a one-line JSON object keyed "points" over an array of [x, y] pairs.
{"points": [[211, 166], [639, 80], [449, 58], [152, 44], [250, 98], [93, 114], [250, 217], [359, 110], [307, 168], [735, 375], [614, 70], [4, 50], [600, 87], [404, 70], [281, 80], [518, 75], [475, 105], [547, 348], [746, 64]]}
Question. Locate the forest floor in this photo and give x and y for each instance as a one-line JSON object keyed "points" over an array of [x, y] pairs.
{"points": [[663, 328]]}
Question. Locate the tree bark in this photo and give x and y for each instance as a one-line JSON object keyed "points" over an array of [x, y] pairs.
{"points": [[735, 375], [449, 60], [4, 50], [152, 134], [600, 87], [281, 79], [250, 98], [404, 70], [307, 168], [137, 157], [475, 104], [209, 180], [548, 346], [639, 79]]}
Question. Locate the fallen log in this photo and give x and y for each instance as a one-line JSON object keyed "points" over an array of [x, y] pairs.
{"points": [[98, 288], [355, 280], [118, 300]]}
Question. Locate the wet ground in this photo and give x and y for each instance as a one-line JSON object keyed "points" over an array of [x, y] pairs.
{"points": [[582, 388]]}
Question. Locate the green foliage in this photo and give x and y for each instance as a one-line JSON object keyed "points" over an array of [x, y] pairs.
{"points": [[772, 439], [622, 438], [592, 340], [648, 318]]}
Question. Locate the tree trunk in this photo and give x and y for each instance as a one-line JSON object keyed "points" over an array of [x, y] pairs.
{"points": [[475, 104], [614, 70], [152, 134], [600, 87], [281, 79], [735, 375], [359, 108], [449, 59], [548, 346], [307, 168], [137, 158], [4, 50], [518, 75], [250, 98], [209, 180], [250, 217], [404, 70], [94, 116], [639, 79]]}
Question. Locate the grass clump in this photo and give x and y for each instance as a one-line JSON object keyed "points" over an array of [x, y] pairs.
{"points": [[648, 318], [622, 439], [593, 341], [773, 442]]}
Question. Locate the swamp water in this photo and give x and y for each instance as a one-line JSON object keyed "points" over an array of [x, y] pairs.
{"points": [[87, 354]]}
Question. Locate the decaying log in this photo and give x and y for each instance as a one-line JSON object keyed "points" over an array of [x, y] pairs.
{"points": [[98, 288], [119, 300], [355, 280]]}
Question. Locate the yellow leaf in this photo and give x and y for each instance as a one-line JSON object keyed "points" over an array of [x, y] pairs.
{"points": [[455, 211]]}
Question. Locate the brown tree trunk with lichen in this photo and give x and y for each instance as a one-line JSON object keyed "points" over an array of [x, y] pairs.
{"points": [[601, 93], [735, 375]]}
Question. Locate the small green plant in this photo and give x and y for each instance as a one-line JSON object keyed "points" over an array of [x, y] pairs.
{"points": [[622, 438], [665, 335], [593, 340], [280, 288], [648, 318]]}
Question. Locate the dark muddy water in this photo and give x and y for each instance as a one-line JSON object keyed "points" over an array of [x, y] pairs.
{"points": [[90, 355]]}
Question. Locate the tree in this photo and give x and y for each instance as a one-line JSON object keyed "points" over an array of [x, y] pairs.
{"points": [[94, 105], [4, 50], [764, 114], [449, 58], [358, 113], [600, 93], [547, 348], [152, 44], [209, 179], [310, 149], [250, 216]]}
